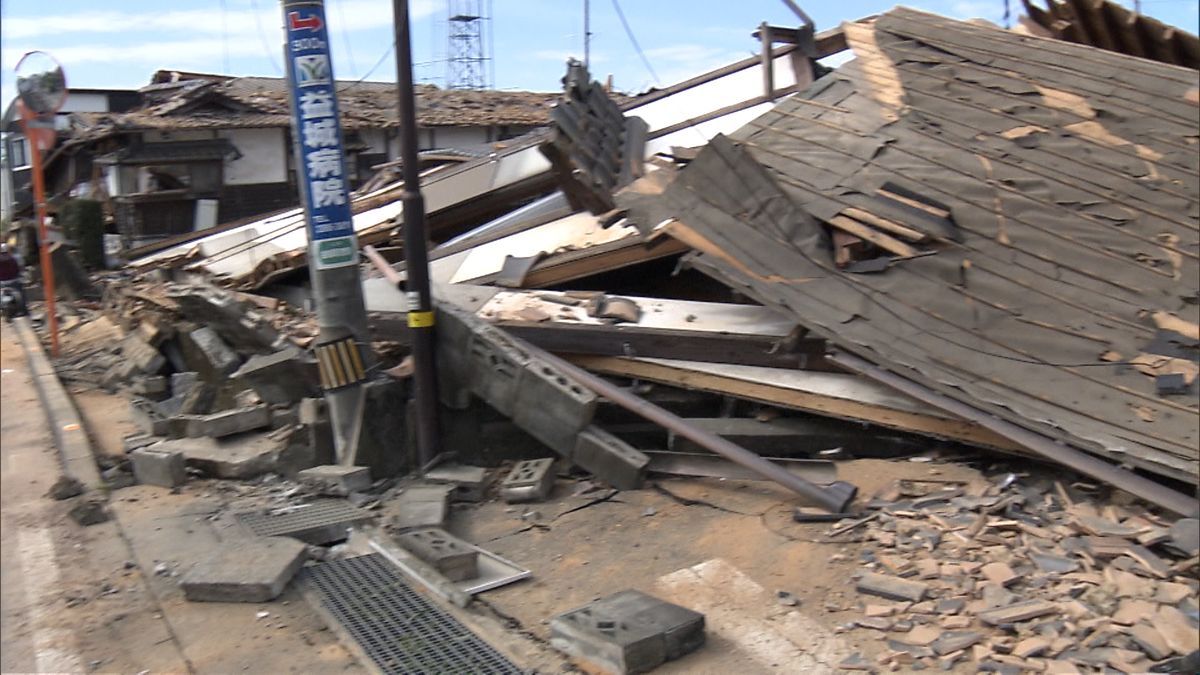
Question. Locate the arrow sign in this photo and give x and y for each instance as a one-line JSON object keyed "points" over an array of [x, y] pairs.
{"points": [[311, 22]]}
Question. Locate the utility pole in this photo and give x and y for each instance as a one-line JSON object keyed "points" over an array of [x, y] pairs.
{"points": [[587, 34], [333, 246], [420, 300]]}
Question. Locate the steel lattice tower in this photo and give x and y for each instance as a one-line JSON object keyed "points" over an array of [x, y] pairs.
{"points": [[468, 53]]}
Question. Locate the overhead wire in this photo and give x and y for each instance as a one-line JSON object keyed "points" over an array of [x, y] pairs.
{"points": [[262, 35], [633, 40], [346, 34]]}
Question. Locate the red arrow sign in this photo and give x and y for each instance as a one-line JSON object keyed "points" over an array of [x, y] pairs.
{"points": [[312, 23]]}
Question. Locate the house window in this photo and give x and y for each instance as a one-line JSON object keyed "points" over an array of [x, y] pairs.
{"points": [[19, 150]]}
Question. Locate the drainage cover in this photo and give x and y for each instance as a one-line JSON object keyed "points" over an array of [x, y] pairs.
{"points": [[320, 522], [399, 630]]}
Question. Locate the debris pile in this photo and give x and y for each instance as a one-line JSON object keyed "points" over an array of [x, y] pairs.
{"points": [[1020, 576]]}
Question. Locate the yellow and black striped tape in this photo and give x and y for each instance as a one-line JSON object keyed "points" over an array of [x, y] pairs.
{"points": [[340, 364]]}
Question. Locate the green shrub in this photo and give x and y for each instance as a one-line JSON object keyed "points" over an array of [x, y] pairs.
{"points": [[83, 221]]}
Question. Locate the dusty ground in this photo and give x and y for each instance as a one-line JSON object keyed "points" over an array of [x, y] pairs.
{"points": [[727, 554]]}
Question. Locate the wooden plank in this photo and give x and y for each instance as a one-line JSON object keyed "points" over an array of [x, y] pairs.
{"points": [[886, 225], [861, 401], [883, 241]]}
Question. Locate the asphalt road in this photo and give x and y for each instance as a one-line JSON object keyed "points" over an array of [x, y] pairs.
{"points": [[31, 636]]}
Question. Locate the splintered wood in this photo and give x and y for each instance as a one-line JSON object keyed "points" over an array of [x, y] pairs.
{"points": [[1018, 578]]}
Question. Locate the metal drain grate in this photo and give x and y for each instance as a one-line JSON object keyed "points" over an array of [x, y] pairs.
{"points": [[320, 522], [399, 630]]}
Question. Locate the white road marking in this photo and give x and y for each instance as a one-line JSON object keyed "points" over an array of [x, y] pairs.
{"points": [[54, 647], [777, 638]]}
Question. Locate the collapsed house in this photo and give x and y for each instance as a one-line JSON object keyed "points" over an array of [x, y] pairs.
{"points": [[201, 149], [965, 239]]}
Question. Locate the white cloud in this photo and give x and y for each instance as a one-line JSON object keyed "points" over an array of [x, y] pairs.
{"points": [[174, 54], [352, 15]]}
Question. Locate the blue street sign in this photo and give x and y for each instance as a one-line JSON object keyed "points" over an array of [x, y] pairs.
{"points": [[320, 157]]}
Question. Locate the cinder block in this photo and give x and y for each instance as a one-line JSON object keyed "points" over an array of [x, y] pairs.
{"points": [[145, 414], [469, 481], [610, 459], [134, 441], [210, 355], [628, 632], [284, 377], [552, 407], [198, 400], [530, 480], [252, 570], [229, 422], [447, 554], [422, 506], [495, 369], [157, 467], [336, 480]]}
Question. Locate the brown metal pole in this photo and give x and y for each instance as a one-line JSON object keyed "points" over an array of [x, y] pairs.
{"points": [[420, 300], [29, 121]]}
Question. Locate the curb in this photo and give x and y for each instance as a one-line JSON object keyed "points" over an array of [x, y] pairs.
{"points": [[70, 437]]}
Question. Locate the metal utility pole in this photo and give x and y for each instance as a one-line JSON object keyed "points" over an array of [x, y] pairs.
{"points": [[587, 33], [333, 246], [42, 88], [420, 300]]}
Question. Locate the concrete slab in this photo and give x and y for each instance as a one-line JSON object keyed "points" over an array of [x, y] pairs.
{"points": [[229, 422], [238, 457], [628, 632], [284, 377], [336, 480], [469, 482], [254, 570]]}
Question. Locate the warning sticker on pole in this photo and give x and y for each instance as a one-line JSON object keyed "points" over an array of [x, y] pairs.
{"points": [[320, 159]]}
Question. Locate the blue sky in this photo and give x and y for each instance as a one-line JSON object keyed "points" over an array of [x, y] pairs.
{"points": [[119, 44]]}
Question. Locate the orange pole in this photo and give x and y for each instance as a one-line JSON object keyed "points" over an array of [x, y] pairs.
{"points": [[35, 136]]}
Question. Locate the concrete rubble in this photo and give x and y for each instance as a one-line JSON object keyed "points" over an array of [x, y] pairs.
{"points": [[726, 382]]}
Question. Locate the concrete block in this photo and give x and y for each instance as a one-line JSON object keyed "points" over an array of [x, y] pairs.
{"points": [[454, 367], [237, 457], [422, 506], [141, 356], [198, 400], [469, 482], [152, 387], [154, 467], [284, 377], [382, 445], [246, 398], [628, 632], [209, 355], [552, 407], [146, 415], [134, 441], [229, 422], [531, 480], [179, 426], [610, 459], [495, 369], [242, 326], [336, 480], [448, 555], [253, 570]]}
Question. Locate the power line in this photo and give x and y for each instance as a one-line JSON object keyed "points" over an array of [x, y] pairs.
{"points": [[346, 35], [372, 70], [633, 40], [262, 35]]}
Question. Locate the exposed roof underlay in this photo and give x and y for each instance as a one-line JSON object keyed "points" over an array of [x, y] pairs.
{"points": [[1066, 270]]}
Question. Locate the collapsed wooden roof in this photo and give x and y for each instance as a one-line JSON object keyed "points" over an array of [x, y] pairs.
{"points": [[1010, 222], [1105, 24]]}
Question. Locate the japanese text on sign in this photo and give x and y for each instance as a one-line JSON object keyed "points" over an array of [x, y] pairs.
{"points": [[320, 160]]}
